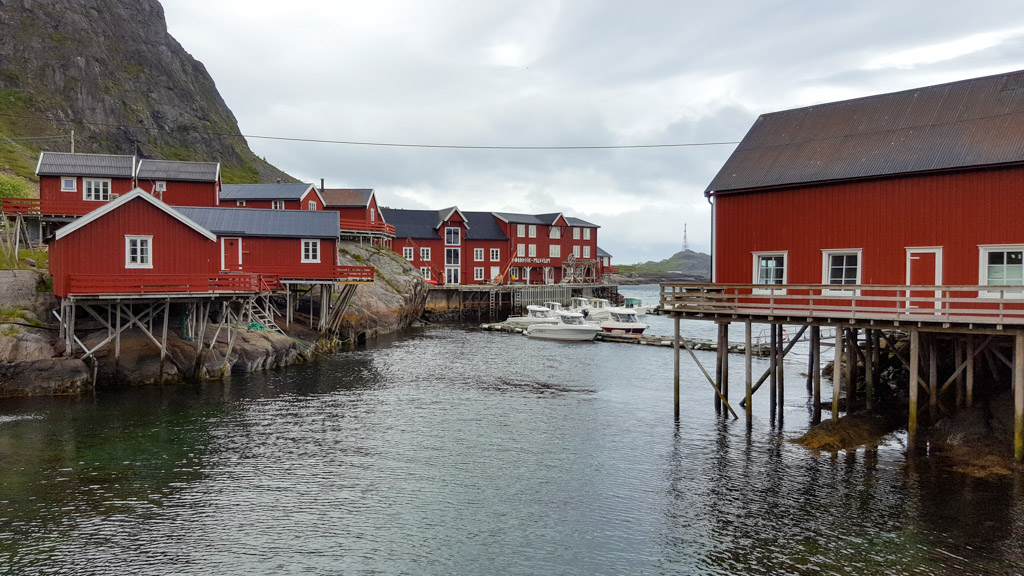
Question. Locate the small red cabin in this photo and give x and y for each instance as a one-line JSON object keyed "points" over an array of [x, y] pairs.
{"points": [[75, 184], [358, 214], [271, 196], [180, 183]]}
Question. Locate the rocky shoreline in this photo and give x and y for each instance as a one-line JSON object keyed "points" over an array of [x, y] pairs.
{"points": [[32, 360]]}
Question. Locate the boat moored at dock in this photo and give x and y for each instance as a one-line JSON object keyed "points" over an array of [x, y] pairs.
{"points": [[571, 327]]}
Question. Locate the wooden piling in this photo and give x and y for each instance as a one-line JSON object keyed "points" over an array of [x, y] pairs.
{"points": [[915, 357], [675, 373], [725, 362], [933, 379], [773, 358], [780, 382], [970, 373], [748, 368], [850, 376], [816, 374], [869, 370], [837, 373], [1018, 398]]}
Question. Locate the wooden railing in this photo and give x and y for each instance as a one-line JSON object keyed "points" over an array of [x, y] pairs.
{"points": [[982, 305], [167, 283], [48, 207], [364, 226], [314, 272]]}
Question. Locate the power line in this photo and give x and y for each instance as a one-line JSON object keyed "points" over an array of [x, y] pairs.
{"points": [[383, 144]]}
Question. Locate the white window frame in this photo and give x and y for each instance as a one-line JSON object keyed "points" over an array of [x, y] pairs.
{"points": [[513, 273], [453, 256], [373, 215], [495, 254], [495, 271], [586, 252], [425, 272], [756, 274], [532, 231], [555, 233], [521, 251], [453, 275], [576, 251], [87, 189], [425, 254], [143, 241], [521, 230], [826, 268], [311, 205], [240, 203], [277, 204], [64, 181], [309, 247], [531, 250], [1004, 290], [575, 233], [478, 274], [478, 254], [408, 252], [586, 233], [450, 232], [160, 186], [554, 251]]}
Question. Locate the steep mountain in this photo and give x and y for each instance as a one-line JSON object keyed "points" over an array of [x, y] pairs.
{"points": [[110, 71]]}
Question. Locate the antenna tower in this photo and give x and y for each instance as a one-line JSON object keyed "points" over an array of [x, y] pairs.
{"points": [[686, 245]]}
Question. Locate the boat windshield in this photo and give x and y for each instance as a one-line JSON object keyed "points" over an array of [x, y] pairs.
{"points": [[574, 320]]}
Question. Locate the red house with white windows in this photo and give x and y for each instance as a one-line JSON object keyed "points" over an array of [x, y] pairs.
{"points": [[279, 196], [433, 241], [180, 183], [919, 187], [137, 244], [358, 214], [75, 184]]}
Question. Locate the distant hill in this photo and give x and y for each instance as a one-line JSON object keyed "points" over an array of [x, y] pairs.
{"points": [[684, 266], [110, 70]]}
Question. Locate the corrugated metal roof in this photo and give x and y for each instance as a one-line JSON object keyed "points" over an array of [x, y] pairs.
{"points": [[254, 222], [514, 218], [284, 191], [576, 222], [963, 124], [99, 165], [415, 223], [173, 170], [602, 254], [342, 197], [483, 226]]}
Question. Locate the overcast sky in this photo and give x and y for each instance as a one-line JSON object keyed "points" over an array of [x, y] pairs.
{"points": [[569, 73]]}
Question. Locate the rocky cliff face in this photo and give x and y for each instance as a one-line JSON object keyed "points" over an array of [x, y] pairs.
{"points": [[395, 299], [110, 70]]}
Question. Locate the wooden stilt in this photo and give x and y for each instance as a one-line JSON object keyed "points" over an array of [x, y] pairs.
{"points": [[748, 355], [725, 362], [851, 370], [958, 353], [915, 351], [773, 378], [117, 337], [816, 374], [837, 372], [675, 372], [869, 370], [933, 379], [163, 339], [780, 366], [720, 353], [970, 372], [1018, 398]]}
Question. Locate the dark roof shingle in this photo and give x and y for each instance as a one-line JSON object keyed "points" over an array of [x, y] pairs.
{"points": [[72, 164], [287, 191], [254, 222], [183, 171], [341, 197]]}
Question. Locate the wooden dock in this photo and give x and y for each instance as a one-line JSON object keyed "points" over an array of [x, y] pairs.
{"points": [[648, 340]]}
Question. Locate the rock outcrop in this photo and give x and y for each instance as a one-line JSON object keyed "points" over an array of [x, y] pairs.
{"points": [[395, 300]]}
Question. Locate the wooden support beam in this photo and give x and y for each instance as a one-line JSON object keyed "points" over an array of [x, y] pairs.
{"points": [[748, 354], [773, 368], [720, 353], [780, 382], [869, 370], [725, 361], [915, 339], [815, 374], [970, 372], [837, 373], [1018, 397], [933, 378], [852, 356], [709, 379], [675, 371], [785, 352]]}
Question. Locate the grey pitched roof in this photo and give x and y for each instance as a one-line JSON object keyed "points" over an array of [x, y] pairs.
{"points": [[183, 171], [542, 219], [342, 197], [576, 222], [99, 165], [415, 223], [483, 226], [253, 222], [602, 254], [286, 191], [959, 125]]}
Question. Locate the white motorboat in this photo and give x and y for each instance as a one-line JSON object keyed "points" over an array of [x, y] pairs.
{"points": [[571, 327], [534, 315], [637, 305], [623, 321], [593, 309], [554, 306]]}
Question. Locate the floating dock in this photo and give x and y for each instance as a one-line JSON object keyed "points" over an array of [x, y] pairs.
{"points": [[647, 340]]}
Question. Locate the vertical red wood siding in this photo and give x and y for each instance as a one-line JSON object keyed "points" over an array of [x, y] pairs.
{"points": [[184, 193], [283, 257], [99, 247], [54, 201], [956, 211]]}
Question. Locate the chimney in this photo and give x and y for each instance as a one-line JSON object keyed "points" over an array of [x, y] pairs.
{"points": [[321, 185]]}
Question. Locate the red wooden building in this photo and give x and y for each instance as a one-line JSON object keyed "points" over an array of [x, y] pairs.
{"points": [[75, 184], [180, 183], [433, 241], [358, 214], [290, 196]]}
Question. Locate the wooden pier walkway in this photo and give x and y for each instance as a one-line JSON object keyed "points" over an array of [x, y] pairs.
{"points": [[649, 340]]}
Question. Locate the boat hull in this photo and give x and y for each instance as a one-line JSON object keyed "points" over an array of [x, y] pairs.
{"points": [[562, 332]]}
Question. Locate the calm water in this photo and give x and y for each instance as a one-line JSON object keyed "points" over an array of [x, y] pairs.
{"points": [[458, 451]]}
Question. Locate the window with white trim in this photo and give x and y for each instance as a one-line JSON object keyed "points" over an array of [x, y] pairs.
{"points": [[277, 204], [373, 215], [478, 274], [424, 253], [770, 268], [495, 254], [240, 203], [586, 251], [575, 233], [425, 272], [138, 251], [533, 230], [312, 204], [513, 273], [478, 254], [555, 251], [160, 186], [68, 183], [452, 236], [555, 233], [407, 252], [586, 233], [521, 250], [532, 250], [1002, 266], [96, 190], [576, 251], [841, 267], [452, 256], [310, 251], [521, 230]]}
